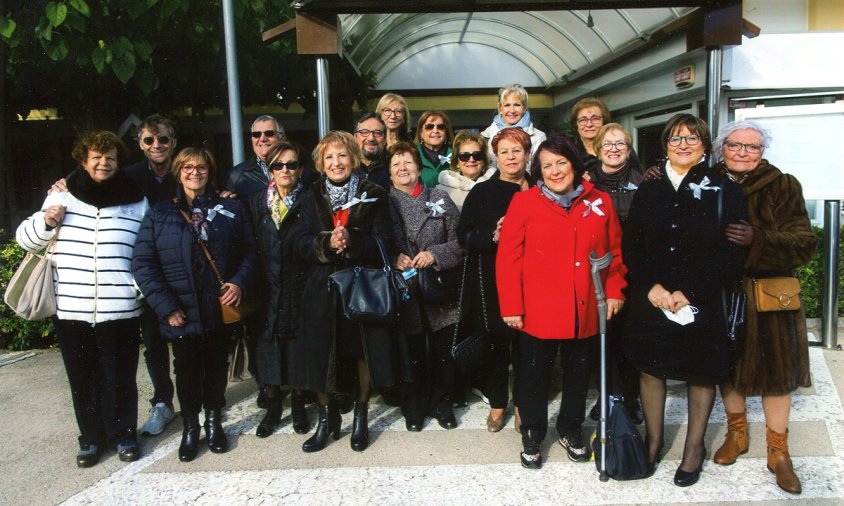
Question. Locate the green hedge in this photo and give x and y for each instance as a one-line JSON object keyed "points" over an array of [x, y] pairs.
{"points": [[19, 334]]}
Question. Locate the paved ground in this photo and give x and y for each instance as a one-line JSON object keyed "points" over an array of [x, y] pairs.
{"points": [[463, 466]]}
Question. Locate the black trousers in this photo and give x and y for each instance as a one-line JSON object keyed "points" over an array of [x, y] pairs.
{"points": [[157, 357], [101, 362], [494, 374], [201, 364], [537, 358], [434, 373]]}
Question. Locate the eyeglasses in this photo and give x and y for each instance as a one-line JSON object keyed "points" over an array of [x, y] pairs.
{"points": [[291, 165], [589, 119], [675, 140], [735, 147], [365, 133], [187, 168], [465, 156], [162, 139], [609, 146], [435, 126], [266, 133], [392, 112]]}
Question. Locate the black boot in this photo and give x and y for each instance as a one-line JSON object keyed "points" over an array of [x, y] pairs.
{"points": [[217, 441], [301, 425], [271, 419], [190, 437], [360, 427], [329, 423]]}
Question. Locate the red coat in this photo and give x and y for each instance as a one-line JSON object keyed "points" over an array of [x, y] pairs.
{"points": [[543, 269]]}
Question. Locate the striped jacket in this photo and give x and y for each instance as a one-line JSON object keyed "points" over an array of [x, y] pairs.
{"points": [[92, 257]]}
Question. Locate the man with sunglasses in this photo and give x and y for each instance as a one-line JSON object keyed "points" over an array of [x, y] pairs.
{"points": [[371, 136], [253, 175]]}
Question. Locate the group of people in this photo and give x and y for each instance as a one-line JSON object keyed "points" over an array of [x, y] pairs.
{"points": [[509, 214]]}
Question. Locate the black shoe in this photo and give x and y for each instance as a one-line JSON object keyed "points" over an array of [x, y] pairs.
{"points": [[344, 402], [88, 456], [262, 399], [688, 478], [360, 427], [298, 414], [414, 425], [595, 412], [329, 423], [575, 449], [127, 447], [217, 441], [531, 456], [634, 410], [190, 438], [448, 422], [271, 419]]}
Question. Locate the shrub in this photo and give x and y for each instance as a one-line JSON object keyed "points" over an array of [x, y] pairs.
{"points": [[15, 332], [811, 278]]}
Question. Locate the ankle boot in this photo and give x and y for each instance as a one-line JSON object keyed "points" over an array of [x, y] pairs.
{"points": [[190, 437], [301, 425], [217, 441], [329, 423], [735, 443], [779, 461], [360, 427], [271, 419]]}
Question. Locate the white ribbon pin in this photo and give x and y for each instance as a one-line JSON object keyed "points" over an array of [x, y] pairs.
{"points": [[593, 206], [355, 201], [630, 187], [696, 188], [212, 213], [444, 160], [436, 207]]}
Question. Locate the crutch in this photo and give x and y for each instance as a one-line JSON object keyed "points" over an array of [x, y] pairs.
{"points": [[599, 264]]}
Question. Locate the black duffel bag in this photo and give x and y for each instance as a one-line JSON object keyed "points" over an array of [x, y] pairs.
{"points": [[625, 449]]}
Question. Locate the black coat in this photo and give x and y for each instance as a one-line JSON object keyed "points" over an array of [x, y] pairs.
{"points": [[676, 240], [162, 264], [314, 351], [155, 191], [246, 178]]}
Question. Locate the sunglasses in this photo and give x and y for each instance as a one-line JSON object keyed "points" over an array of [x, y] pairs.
{"points": [[187, 168], [291, 165], [465, 156], [266, 133], [435, 126], [162, 139]]}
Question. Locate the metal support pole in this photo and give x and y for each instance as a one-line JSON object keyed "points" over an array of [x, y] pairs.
{"points": [[235, 119], [323, 116], [714, 58], [829, 308]]}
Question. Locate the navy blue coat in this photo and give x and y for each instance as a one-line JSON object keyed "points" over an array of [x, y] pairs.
{"points": [[162, 264]]}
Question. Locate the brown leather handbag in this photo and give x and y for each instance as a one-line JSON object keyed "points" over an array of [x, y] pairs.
{"points": [[777, 294]]}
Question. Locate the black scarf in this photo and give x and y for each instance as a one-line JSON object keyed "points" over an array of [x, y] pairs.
{"points": [[612, 181], [117, 190], [434, 156]]}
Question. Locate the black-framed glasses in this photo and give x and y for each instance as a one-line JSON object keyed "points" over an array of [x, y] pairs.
{"points": [[291, 165], [435, 126], [464, 156], [608, 145], [398, 113], [150, 140], [266, 133], [735, 147], [589, 119], [187, 168], [365, 132], [675, 140]]}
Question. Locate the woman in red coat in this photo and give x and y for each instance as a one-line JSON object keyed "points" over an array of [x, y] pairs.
{"points": [[545, 289]]}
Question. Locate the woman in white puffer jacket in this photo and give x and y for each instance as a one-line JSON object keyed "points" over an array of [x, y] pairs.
{"points": [[469, 166], [513, 113]]}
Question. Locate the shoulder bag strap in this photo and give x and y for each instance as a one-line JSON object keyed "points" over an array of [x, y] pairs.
{"points": [[205, 250], [460, 300]]}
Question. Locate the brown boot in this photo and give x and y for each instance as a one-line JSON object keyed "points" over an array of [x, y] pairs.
{"points": [[779, 462], [735, 443]]}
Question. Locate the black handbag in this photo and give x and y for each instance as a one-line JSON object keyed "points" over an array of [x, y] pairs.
{"points": [[435, 286], [625, 449], [470, 353], [370, 295]]}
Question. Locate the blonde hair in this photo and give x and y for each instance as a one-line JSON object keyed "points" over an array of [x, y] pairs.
{"points": [[334, 138], [393, 97], [513, 89], [463, 137]]}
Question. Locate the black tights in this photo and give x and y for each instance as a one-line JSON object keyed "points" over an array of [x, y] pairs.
{"points": [[364, 386], [701, 399]]}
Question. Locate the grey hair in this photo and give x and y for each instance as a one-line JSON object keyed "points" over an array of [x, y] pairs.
{"points": [[267, 117], [729, 128], [510, 89]]}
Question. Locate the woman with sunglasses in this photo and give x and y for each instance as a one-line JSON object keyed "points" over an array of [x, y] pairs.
{"points": [[393, 110], [433, 140], [679, 262], [469, 166], [275, 215], [181, 245], [513, 112]]}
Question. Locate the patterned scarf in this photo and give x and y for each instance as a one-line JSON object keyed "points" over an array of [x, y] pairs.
{"points": [[341, 193], [279, 205]]}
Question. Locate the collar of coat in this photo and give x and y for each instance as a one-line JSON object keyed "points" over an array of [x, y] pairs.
{"points": [[357, 213], [757, 179], [117, 190]]}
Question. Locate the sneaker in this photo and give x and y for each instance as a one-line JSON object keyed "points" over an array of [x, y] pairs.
{"points": [[159, 416], [531, 456], [576, 450]]}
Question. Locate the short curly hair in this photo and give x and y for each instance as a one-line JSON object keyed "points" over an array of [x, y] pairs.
{"points": [[337, 138], [101, 141]]}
